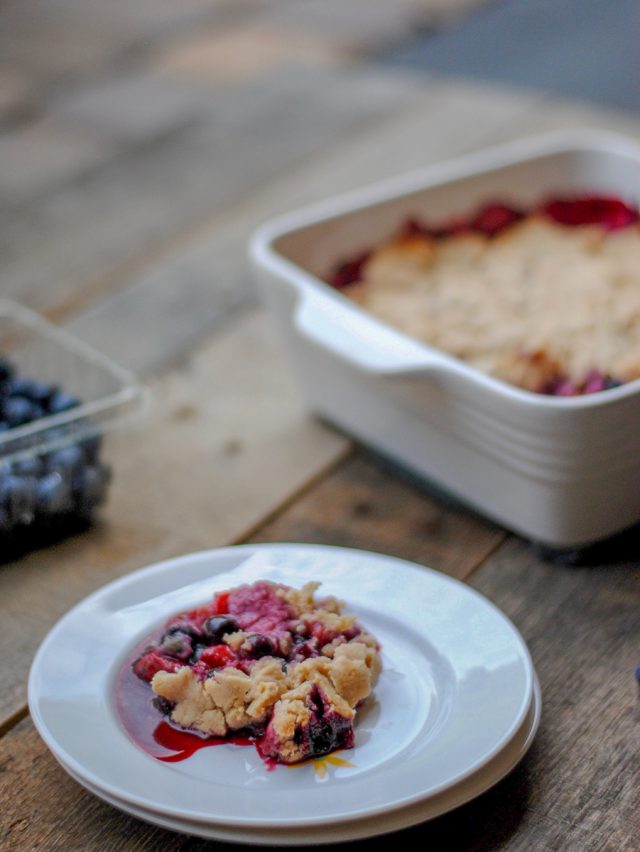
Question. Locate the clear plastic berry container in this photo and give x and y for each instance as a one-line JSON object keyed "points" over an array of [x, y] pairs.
{"points": [[58, 398]]}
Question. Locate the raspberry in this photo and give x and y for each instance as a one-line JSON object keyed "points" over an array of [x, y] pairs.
{"points": [[611, 213], [221, 603], [217, 656], [494, 218], [350, 271], [195, 616], [148, 664]]}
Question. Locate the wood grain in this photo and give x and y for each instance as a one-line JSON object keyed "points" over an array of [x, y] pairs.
{"points": [[65, 252], [582, 626], [368, 504], [53, 812]]}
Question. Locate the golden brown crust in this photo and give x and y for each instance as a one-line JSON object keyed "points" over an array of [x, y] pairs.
{"points": [[537, 301], [231, 699], [228, 701]]}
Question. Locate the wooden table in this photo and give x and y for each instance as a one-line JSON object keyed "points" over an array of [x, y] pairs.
{"points": [[159, 280]]}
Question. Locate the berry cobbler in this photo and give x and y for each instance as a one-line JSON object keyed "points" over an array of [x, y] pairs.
{"points": [[547, 299], [265, 660]]}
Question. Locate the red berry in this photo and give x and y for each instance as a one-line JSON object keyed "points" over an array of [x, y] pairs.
{"points": [[494, 218], [148, 664], [611, 213], [217, 656], [413, 228], [565, 388], [349, 272], [221, 603], [594, 382], [195, 617]]}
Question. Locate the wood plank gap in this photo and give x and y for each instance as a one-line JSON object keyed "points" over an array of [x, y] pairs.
{"points": [[487, 556], [11, 721], [323, 473]]}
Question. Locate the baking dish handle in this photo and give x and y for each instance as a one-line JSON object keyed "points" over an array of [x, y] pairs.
{"points": [[362, 341]]}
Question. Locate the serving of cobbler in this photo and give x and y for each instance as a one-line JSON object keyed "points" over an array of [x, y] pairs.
{"points": [[269, 662], [547, 298]]}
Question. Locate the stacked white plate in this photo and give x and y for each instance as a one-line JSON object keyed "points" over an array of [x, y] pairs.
{"points": [[456, 706]]}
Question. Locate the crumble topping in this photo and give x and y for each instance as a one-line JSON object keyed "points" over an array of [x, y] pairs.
{"points": [[229, 700], [295, 685], [548, 301]]}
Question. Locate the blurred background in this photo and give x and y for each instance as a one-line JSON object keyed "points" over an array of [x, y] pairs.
{"points": [[127, 127]]}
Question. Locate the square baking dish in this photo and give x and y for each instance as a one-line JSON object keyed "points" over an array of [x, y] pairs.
{"points": [[564, 472]]}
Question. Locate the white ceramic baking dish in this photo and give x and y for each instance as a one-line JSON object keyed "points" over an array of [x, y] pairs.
{"points": [[561, 471]]}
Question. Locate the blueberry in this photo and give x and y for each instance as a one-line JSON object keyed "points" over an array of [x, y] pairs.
{"points": [[90, 485], [66, 461], [32, 466], [197, 653], [6, 369], [91, 447], [5, 521], [18, 498], [177, 644], [257, 645], [610, 383], [185, 628], [40, 392], [53, 494], [17, 410], [163, 705], [61, 401], [217, 626]]}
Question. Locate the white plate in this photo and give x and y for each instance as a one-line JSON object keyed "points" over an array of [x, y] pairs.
{"points": [[342, 832], [456, 688]]}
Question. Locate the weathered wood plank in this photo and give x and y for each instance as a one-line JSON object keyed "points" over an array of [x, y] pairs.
{"points": [[227, 442], [582, 625], [64, 250], [67, 816], [136, 250], [368, 505]]}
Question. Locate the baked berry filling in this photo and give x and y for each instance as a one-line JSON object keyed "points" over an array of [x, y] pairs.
{"points": [[320, 731], [266, 662], [610, 213]]}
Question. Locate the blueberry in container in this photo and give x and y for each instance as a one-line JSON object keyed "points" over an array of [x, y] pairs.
{"points": [[58, 398]]}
